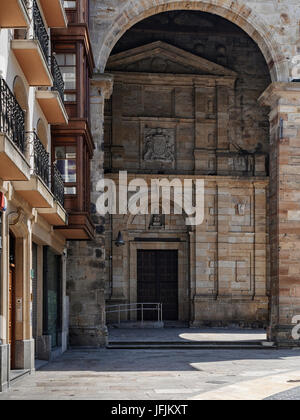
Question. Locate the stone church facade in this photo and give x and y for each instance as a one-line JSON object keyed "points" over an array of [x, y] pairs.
{"points": [[199, 90]]}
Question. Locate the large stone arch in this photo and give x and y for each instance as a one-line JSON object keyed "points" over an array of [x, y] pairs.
{"points": [[235, 11], [110, 19]]}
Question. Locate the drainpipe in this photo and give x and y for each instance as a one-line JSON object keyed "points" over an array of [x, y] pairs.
{"points": [[2, 210], [111, 256]]}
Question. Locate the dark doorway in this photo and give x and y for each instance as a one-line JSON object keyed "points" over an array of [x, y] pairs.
{"points": [[52, 289], [35, 296], [12, 299], [157, 274]]}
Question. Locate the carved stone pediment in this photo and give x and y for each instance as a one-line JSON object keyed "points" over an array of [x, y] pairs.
{"points": [[160, 57]]}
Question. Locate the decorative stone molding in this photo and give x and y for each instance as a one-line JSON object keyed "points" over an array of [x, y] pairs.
{"points": [[103, 82], [280, 90]]}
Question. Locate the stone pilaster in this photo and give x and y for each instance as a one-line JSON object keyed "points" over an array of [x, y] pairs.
{"points": [[86, 260], [284, 100]]}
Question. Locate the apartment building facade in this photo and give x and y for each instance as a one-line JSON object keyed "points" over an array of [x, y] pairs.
{"points": [[33, 303]]}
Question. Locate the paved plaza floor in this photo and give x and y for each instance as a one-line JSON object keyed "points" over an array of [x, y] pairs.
{"points": [[162, 374], [185, 334]]}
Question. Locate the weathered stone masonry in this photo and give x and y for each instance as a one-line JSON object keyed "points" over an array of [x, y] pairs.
{"points": [[274, 26]]}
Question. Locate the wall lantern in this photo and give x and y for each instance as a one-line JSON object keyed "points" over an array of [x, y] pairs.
{"points": [[120, 240]]}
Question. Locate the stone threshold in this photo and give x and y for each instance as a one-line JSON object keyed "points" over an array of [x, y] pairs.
{"points": [[17, 374]]}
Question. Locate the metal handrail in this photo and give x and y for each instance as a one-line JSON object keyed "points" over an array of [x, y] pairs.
{"points": [[58, 82], [57, 185], [133, 307], [40, 32], [12, 117], [41, 158]]}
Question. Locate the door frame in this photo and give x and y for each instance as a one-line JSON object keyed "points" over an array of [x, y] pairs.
{"points": [[183, 273], [157, 283]]}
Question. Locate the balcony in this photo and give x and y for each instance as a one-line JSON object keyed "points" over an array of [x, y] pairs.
{"points": [[80, 227], [14, 165], [47, 197], [54, 13], [56, 215], [13, 14], [52, 101], [36, 191], [32, 52]]}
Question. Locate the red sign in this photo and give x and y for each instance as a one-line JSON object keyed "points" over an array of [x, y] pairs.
{"points": [[3, 202]]}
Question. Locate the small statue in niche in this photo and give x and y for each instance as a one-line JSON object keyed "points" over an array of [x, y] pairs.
{"points": [[241, 208], [157, 221]]}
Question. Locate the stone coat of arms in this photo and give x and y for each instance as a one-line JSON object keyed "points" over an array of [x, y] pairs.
{"points": [[159, 145]]}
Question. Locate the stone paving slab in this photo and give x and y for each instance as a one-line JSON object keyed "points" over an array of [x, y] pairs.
{"points": [[161, 375], [292, 394]]}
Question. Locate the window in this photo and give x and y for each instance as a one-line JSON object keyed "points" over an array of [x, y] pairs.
{"points": [[67, 65], [65, 158], [70, 4]]}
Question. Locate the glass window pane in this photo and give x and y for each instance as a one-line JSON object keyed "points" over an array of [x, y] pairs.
{"points": [[70, 97], [71, 152], [60, 58], [70, 190], [70, 4], [68, 169], [71, 59], [60, 152], [69, 77]]}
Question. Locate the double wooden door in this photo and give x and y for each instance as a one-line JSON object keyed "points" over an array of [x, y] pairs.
{"points": [[157, 281]]}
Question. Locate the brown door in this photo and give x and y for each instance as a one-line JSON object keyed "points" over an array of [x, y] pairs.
{"points": [[157, 273], [11, 322]]}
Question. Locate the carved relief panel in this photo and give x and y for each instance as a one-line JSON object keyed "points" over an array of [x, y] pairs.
{"points": [[158, 148]]}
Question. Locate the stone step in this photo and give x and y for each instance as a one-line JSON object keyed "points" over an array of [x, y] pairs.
{"points": [[17, 374], [195, 345]]}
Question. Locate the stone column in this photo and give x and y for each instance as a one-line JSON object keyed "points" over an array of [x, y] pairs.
{"points": [[284, 200], [86, 259]]}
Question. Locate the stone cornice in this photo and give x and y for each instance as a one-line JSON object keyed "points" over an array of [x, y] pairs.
{"points": [[174, 79], [289, 91]]}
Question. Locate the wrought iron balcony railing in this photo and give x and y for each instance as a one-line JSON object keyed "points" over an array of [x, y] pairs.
{"points": [[12, 117], [58, 187], [25, 5], [58, 82], [40, 32], [41, 158]]}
